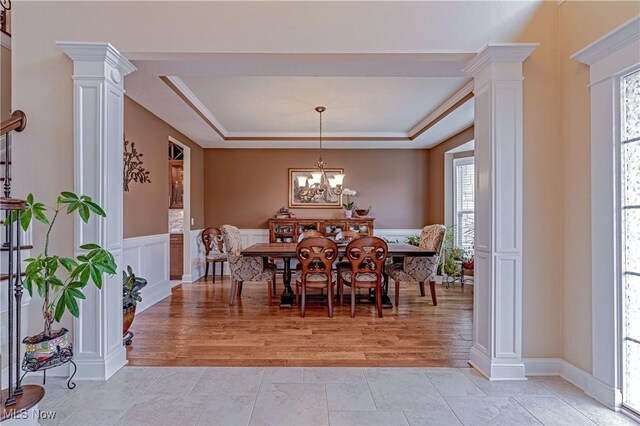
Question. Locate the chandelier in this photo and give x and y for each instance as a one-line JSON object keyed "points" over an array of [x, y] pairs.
{"points": [[320, 184]]}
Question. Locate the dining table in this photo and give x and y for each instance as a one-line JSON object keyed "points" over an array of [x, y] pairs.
{"points": [[287, 251]]}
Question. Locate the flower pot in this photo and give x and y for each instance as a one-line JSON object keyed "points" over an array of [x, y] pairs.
{"points": [[348, 214], [41, 351], [128, 314]]}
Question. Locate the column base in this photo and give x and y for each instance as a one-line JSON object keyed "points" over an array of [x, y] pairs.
{"points": [[509, 369], [101, 369]]}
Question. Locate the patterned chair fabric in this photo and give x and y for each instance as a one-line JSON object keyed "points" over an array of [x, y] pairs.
{"points": [[244, 268], [315, 277], [421, 269], [345, 274]]}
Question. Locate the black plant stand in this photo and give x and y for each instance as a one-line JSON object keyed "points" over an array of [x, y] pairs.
{"points": [[62, 356], [128, 338]]}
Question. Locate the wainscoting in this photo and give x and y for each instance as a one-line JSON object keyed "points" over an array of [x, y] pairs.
{"points": [[149, 258]]}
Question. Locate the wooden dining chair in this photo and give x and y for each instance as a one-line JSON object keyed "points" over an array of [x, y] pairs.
{"points": [[316, 256], [366, 256], [420, 269], [345, 237], [214, 251]]}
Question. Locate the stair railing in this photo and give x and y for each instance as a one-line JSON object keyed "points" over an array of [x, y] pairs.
{"points": [[12, 247]]}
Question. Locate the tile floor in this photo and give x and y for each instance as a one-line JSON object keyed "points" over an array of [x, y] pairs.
{"points": [[318, 396]]}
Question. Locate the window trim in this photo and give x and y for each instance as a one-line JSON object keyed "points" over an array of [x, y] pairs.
{"points": [[457, 162]]}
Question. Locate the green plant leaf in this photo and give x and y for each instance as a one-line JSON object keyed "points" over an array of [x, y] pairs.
{"points": [[84, 213], [75, 293], [69, 195], [90, 246], [72, 304], [59, 309], [95, 208], [68, 264], [28, 284], [25, 219], [96, 276], [30, 198]]}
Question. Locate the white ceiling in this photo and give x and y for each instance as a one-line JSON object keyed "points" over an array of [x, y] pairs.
{"points": [[354, 104], [264, 96]]}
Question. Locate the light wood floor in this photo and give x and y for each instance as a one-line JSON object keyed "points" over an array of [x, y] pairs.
{"points": [[197, 327]]}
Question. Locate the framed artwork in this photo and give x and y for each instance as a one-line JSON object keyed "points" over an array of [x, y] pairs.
{"points": [[324, 201]]}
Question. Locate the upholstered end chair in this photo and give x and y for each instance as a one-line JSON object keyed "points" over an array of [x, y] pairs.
{"points": [[420, 269], [244, 268], [214, 251]]}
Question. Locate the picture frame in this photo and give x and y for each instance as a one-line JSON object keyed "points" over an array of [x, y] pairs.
{"points": [[324, 202]]}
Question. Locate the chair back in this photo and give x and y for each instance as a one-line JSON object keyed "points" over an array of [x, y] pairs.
{"points": [[212, 240], [367, 255], [231, 238], [316, 255], [432, 237], [347, 235], [309, 233]]}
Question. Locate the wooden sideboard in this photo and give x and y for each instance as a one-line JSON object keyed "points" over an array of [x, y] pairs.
{"points": [[287, 230]]}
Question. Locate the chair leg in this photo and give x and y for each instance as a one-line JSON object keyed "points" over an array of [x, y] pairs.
{"points": [[240, 285], [221, 270], [379, 299], [397, 293], [330, 298], [232, 293], [206, 271], [303, 301], [340, 288], [353, 299], [421, 283], [432, 285], [213, 273], [273, 284]]}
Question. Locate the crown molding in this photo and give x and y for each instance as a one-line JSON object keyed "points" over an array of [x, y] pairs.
{"points": [[182, 90], [95, 52], [501, 53], [447, 107], [609, 43]]}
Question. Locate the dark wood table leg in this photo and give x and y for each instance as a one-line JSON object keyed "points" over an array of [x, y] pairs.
{"points": [[386, 300], [286, 300]]}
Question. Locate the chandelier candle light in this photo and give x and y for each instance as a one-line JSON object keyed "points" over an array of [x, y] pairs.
{"points": [[319, 183]]}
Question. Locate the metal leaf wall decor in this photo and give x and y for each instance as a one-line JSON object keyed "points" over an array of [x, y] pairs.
{"points": [[133, 170]]}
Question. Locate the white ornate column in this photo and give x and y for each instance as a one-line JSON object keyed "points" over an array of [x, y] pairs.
{"points": [[98, 112], [497, 335]]}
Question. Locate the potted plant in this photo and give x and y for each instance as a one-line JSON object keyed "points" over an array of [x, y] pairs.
{"points": [[414, 240], [131, 295], [60, 280], [348, 206], [452, 267], [468, 263]]}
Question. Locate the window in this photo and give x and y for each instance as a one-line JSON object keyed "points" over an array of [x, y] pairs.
{"points": [[630, 236], [463, 201]]}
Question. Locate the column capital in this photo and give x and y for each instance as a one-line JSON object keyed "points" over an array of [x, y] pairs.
{"points": [[504, 53], [97, 53]]}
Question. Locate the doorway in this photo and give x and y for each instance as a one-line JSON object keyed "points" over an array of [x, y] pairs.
{"points": [[179, 211]]}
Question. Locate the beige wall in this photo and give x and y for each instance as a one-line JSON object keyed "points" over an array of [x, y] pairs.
{"points": [[146, 205], [581, 23], [246, 187], [542, 198], [435, 200], [5, 83]]}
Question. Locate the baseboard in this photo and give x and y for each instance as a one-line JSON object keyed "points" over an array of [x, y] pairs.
{"points": [[601, 392], [496, 371]]}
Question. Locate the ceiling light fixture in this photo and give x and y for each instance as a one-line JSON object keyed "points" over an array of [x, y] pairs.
{"points": [[320, 184]]}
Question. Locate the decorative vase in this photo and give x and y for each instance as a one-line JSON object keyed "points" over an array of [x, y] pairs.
{"points": [[41, 351], [348, 214], [128, 314]]}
